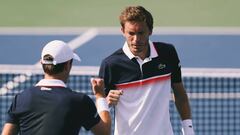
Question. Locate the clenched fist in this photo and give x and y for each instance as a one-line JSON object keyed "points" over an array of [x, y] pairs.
{"points": [[98, 87]]}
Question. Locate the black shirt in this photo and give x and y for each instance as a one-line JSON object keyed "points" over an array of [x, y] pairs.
{"points": [[118, 68], [52, 111]]}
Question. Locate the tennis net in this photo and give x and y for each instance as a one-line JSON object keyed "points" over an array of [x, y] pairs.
{"points": [[214, 95]]}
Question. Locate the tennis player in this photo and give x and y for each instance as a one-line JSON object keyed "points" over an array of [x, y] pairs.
{"points": [[51, 108], [139, 78]]}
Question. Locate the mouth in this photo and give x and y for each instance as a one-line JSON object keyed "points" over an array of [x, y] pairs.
{"points": [[137, 45], [137, 48]]}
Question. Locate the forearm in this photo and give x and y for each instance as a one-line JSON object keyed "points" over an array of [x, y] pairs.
{"points": [[104, 126], [181, 101], [106, 120], [104, 114], [183, 106]]}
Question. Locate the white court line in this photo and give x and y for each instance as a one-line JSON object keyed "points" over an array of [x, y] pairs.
{"points": [[75, 43], [211, 72], [196, 31], [116, 30], [228, 95], [80, 40]]}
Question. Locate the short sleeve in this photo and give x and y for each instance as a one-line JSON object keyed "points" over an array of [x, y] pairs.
{"points": [[91, 116], [176, 73], [169, 53], [105, 74], [11, 114]]}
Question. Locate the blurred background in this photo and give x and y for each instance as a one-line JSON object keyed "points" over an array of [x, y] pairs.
{"points": [[206, 34], [99, 13]]}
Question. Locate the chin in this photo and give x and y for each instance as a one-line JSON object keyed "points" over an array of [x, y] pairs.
{"points": [[136, 52]]}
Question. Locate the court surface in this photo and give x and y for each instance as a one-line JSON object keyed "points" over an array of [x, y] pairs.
{"points": [[196, 47], [214, 99]]}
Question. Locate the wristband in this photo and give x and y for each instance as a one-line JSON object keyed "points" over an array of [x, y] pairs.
{"points": [[187, 127], [102, 105]]}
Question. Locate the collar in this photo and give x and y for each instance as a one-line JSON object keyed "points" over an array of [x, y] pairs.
{"points": [[153, 52], [51, 82]]}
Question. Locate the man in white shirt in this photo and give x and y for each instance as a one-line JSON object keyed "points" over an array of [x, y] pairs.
{"points": [[139, 77]]}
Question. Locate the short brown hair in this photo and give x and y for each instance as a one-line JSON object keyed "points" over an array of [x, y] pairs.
{"points": [[52, 69], [136, 14]]}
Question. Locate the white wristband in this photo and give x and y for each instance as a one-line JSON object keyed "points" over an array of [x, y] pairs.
{"points": [[187, 127], [102, 105]]}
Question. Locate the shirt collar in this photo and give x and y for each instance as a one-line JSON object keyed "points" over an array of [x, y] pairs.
{"points": [[153, 52], [51, 82]]}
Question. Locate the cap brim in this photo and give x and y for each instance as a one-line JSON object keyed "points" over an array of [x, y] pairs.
{"points": [[76, 57]]}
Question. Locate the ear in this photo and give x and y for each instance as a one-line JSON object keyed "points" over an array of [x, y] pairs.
{"points": [[67, 65], [122, 29], [123, 32], [150, 33], [70, 63]]}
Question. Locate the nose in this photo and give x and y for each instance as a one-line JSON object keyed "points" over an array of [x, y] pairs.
{"points": [[136, 38]]}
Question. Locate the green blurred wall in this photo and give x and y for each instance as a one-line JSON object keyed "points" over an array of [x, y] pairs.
{"points": [[105, 12]]}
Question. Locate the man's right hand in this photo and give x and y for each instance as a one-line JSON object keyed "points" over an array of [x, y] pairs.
{"points": [[113, 97], [104, 126], [98, 87]]}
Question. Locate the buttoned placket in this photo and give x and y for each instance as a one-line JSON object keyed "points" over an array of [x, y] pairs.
{"points": [[141, 62]]}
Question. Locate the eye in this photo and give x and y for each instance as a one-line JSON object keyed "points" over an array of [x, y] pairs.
{"points": [[131, 33]]}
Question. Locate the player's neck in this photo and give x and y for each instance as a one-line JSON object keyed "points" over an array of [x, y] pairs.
{"points": [[57, 76]]}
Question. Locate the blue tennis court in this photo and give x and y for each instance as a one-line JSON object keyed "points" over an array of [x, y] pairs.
{"points": [[209, 59], [195, 50]]}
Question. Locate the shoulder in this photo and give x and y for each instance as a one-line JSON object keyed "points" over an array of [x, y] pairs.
{"points": [[76, 99], [27, 92], [79, 96], [165, 49], [24, 98], [162, 47], [74, 94], [82, 101], [114, 57]]}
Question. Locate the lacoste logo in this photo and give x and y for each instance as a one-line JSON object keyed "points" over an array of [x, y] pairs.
{"points": [[161, 66]]}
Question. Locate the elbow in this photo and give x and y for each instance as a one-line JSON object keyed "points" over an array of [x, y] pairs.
{"points": [[107, 128], [103, 127]]}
